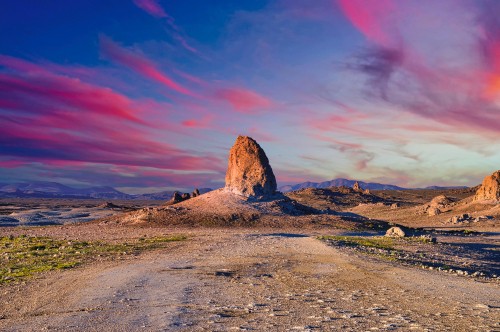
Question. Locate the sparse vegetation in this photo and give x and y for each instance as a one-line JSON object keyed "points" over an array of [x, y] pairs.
{"points": [[358, 241], [24, 256]]}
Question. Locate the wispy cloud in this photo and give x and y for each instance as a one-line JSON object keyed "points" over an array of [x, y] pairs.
{"points": [[153, 8], [140, 64], [459, 96]]}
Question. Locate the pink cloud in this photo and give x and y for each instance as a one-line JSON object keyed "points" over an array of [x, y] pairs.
{"points": [[51, 118], [243, 100], [151, 7], [12, 163], [39, 84], [368, 17], [201, 123], [140, 64]]}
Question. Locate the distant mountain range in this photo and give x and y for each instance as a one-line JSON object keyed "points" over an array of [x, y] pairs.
{"points": [[57, 190], [339, 183], [349, 183]]}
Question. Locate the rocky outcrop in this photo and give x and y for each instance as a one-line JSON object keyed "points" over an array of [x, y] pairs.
{"points": [[433, 211], [437, 205], [195, 193], [248, 172], [489, 189], [440, 201], [357, 187]]}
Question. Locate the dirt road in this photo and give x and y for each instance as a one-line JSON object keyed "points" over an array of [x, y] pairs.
{"points": [[228, 280]]}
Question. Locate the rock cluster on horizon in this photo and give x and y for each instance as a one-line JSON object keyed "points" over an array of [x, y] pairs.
{"points": [[177, 197], [249, 173], [490, 188]]}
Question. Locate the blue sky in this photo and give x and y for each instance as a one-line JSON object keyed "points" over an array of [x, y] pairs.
{"points": [[148, 95]]}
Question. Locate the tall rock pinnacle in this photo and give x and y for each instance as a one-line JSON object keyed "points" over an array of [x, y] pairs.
{"points": [[248, 172]]}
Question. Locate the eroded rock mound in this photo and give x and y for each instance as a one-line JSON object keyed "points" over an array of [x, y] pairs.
{"points": [[249, 173], [490, 188], [440, 201]]}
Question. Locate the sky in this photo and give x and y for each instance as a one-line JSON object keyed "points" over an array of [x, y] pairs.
{"points": [[149, 95]]}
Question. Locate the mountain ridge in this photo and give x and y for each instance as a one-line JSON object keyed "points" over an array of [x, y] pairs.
{"points": [[44, 189], [338, 182]]}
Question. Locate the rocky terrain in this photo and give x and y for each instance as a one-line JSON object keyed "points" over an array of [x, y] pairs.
{"points": [[240, 279], [252, 258], [45, 211]]}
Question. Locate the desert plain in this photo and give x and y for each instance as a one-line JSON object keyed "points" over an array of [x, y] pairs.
{"points": [[247, 257]]}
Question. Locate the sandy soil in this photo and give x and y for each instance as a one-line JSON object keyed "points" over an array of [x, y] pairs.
{"points": [[246, 279]]}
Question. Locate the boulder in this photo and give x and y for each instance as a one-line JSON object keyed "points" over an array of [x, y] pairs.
{"points": [[185, 196], [195, 193], [356, 187], [395, 232], [249, 173], [489, 189], [394, 206]]}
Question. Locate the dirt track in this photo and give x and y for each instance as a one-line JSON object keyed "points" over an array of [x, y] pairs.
{"points": [[247, 280]]}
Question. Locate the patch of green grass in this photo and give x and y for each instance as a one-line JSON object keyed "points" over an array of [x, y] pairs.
{"points": [[359, 241], [23, 256]]}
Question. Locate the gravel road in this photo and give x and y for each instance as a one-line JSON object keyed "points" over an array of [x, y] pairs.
{"points": [[248, 280]]}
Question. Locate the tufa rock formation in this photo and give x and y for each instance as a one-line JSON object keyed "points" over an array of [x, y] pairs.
{"points": [[490, 188], [248, 172], [177, 197], [357, 187]]}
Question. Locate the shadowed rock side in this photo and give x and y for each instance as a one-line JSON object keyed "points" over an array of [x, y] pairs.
{"points": [[489, 189], [249, 173]]}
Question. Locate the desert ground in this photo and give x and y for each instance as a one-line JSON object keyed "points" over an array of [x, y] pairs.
{"points": [[271, 270]]}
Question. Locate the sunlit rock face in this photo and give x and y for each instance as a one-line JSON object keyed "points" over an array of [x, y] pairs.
{"points": [[248, 172], [489, 189]]}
